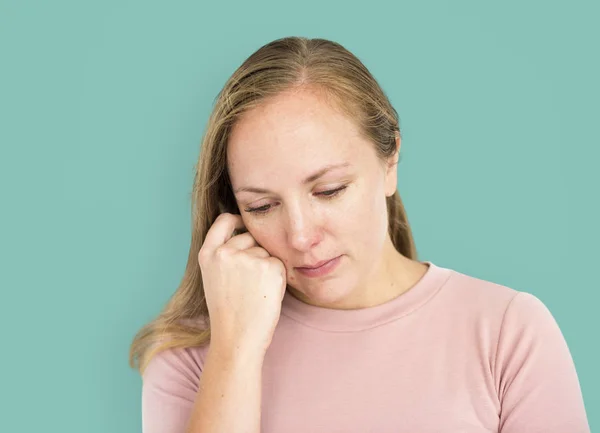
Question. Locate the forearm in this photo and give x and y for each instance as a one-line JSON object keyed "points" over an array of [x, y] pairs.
{"points": [[229, 396]]}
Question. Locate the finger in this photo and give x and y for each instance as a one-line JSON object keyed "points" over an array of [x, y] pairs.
{"points": [[258, 252], [221, 231], [242, 242]]}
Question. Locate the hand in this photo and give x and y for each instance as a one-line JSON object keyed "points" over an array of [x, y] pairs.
{"points": [[243, 284]]}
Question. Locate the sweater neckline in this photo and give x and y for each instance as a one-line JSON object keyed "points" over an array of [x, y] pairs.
{"points": [[334, 320]]}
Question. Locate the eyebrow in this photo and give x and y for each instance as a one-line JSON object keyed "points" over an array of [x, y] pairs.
{"points": [[316, 175]]}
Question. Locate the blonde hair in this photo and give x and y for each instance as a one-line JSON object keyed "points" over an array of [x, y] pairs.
{"points": [[283, 64]]}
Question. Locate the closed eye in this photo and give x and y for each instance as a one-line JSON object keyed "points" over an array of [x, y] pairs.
{"points": [[329, 194]]}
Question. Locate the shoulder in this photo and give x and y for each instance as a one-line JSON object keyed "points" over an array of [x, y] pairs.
{"points": [[517, 309], [170, 383], [174, 366], [507, 316], [529, 327], [518, 322], [517, 325], [477, 297]]}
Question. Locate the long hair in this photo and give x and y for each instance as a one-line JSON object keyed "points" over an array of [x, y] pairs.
{"points": [[280, 65]]}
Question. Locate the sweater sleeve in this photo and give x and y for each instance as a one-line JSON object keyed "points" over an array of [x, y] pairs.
{"points": [[534, 372], [169, 386]]}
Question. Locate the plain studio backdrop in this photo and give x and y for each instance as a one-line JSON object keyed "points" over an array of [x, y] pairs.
{"points": [[102, 107]]}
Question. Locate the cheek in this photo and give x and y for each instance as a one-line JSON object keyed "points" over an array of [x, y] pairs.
{"points": [[266, 237], [364, 219], [271, 241]]}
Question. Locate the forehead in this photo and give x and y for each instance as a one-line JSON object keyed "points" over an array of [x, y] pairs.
{"points": [[291, 135]]}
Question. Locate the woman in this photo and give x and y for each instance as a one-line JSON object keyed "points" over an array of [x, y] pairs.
{"points": [[304, 308]]}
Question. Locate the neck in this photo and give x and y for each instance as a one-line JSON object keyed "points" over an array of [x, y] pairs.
{"points": [[394, 275]]}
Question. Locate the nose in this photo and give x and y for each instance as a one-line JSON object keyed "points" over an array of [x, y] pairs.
{"points": [[304, 230]]}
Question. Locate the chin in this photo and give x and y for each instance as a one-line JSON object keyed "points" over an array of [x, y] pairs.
{"points": [[328, 292]]}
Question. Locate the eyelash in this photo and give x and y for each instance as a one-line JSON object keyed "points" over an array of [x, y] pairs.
{"points": [[328, 195]]}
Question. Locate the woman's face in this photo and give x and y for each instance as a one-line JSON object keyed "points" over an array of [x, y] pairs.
{"points": [[309, 189]]}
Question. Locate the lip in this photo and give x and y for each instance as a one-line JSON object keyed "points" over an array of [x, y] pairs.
{"points": [[316, 265], [324, 267]]}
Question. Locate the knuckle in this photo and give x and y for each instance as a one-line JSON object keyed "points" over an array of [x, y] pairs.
{"points": [[222, 218], [226, 216], [202, 256], [263, 265], [222, 253]]}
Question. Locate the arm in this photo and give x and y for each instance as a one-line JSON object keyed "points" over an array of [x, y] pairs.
{"points": [[534, 373], [229, 399], [223, 395]]}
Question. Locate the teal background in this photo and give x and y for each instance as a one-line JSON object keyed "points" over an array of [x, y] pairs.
{"points": [[102, 107]]}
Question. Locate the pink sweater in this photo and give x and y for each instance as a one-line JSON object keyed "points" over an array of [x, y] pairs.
{"points": [[452, 354]]}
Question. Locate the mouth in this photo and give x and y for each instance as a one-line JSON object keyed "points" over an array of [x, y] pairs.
{"points": [[321, 268], [316, 265]]}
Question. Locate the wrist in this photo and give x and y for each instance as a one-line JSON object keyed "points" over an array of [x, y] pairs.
{"points": [[233, 352]]}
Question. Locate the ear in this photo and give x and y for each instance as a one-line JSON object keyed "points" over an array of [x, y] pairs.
{"points": [[391, 173]]}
